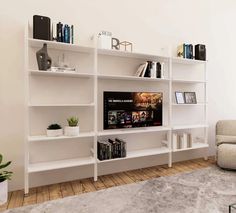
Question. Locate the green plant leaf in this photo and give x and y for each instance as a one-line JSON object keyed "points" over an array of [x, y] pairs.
{"points": [[5, 165], [0, 158]]}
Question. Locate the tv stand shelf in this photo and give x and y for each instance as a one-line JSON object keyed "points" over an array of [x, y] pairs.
{"points": [[53, 96]]}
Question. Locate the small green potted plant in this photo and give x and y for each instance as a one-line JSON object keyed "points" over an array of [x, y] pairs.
{"points": [[73, 128], [54, 130], [4, 177]]}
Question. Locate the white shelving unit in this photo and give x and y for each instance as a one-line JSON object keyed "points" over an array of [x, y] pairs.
{"points": [[38, 113]]}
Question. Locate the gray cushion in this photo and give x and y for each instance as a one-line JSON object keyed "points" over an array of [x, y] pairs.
{"points": [[226, 156], [226, 127]]}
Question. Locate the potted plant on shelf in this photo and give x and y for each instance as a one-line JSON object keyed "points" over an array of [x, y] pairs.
{"points": [[73, 128], [4, 177], [54, 130]]}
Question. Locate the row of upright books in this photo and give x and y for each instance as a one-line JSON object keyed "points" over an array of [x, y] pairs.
{"points": [[183, 141], [185, 51], [151, 69], [110, 149]]}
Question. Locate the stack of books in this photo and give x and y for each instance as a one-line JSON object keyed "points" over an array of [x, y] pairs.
{"points": [[151, 69], [110, 149], [185, 51]]}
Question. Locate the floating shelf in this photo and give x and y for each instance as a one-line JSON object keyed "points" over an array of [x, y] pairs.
{"points": [[60, 46], [46, 138], [141, 153], [132, 78], [179, 127], [128, 54], [61, 74], [133, 131], [61, 164], [198, 104], [188, 81], [195, 146], [178, 60], [61, 105]]}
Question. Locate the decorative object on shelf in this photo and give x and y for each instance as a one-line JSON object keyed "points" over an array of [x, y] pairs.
{"points": [[183, 141], [4, 177], [43, 59], [73, 128], [63, 33], [104, 40], [115, 43], [126, 46], [179, 96], [190, 98], [41, 27], [110, 149], [54, 130], [200, 52], [185, 51]]}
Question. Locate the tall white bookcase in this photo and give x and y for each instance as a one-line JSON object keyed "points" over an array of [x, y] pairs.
{"points": [[51, 97]]}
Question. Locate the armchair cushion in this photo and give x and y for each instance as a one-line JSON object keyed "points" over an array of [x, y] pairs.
{"points": [[220, 139]]}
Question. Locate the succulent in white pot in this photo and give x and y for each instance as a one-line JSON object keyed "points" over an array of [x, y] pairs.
{"points": [[54, 130], [73, 128], [4, 177]]}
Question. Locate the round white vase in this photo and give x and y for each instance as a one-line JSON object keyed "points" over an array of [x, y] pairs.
{"points": [[3, 192], [54, 132], [71, 130]]}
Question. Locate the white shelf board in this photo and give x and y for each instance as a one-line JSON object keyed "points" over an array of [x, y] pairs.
{"points": [[198, 104], [132, 78], [60, 46], [62, 105], [46, 138], [178, 60], [61, 74], [188, 81], [60, 164], [133, 130], [195, 146], [140, 153], [195, 126], [128, 54]]}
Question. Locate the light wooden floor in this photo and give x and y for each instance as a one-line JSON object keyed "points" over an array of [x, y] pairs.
{"points": [[55, 191]]}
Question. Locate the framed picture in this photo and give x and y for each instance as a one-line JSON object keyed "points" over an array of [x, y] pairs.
{"points": [[179, 96], [190, 98]]}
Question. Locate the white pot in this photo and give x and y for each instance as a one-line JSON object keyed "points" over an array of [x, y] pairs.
{"points": [[3, 192], [54, 132], [71, 130]]}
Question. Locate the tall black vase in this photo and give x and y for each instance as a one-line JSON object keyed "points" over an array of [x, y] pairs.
{"points": [[43, 59]]}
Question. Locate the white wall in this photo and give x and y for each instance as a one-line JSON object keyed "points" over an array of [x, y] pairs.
{"points": [[150, 25]]}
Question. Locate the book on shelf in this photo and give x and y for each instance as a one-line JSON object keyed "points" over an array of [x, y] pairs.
{"points": [[110, 149], [185, 51], [183, 141]]}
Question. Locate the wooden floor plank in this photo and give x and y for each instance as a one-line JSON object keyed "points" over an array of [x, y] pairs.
{"points": [[54, 191], [31, 197], [16, 200], [99, 184], [77, 187], [42, 194], [66, 189]]}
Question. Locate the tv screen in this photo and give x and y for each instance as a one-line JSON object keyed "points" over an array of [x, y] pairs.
{"points": [[132, 109]]}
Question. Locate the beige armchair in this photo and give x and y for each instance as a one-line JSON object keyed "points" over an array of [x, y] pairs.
{"points": [[226, 144]]}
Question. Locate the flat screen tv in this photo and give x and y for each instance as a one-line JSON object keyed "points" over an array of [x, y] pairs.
{"points": [[132, 109]]}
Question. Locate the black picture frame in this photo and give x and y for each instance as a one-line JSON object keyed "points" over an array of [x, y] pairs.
{"points": [[179, 96], [190, 98]]}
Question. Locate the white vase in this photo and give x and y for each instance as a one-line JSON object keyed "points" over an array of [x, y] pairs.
{"points": [[54, 132], [3, 192], [71, 130]]}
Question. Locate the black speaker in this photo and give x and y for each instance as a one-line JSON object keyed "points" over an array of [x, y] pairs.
{"points": [[200, 52], [41, 27]]}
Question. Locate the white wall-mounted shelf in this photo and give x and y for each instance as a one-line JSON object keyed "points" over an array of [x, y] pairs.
{"points": [[131, 78], [46, 138], [194, 146], [140, 153], [60, 164], [62, 105], [61, 74], [60, 46], [95, 61], [133, 131]]}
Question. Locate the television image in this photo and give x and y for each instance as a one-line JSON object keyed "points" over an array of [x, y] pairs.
{"points": [[132, 109]]}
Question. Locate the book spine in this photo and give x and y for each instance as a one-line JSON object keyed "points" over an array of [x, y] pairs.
{"points": [[175, 141], [185, 140]]}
